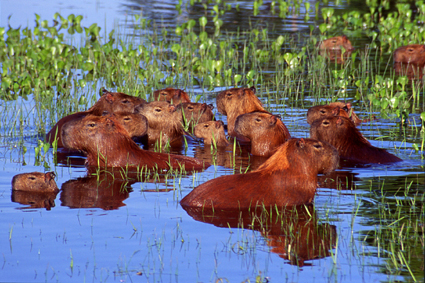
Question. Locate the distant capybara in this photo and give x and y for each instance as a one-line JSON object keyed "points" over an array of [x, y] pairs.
{"points": [[333, 109], [172, 95], [110, 102], [335, 43], [212, 132], [266, 132], [237, 101], [410, 54], [195, 113], [165, 123], [347, 139], [136, 124], [107, 144], [35, 182], [288, 177]]}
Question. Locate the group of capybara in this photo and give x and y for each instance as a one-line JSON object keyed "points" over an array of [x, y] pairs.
{"points": [[107, 134]]}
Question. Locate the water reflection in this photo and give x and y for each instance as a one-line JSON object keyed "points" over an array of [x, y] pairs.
{"points": [[35, 199]]}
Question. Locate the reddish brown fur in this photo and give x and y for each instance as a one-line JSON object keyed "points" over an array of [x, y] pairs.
{"points": [[35, 199], [237, 101], [212, 130], [35, 182], [266, 132], [171, 95], [195, 113], [410, 54], [335, 43], [136, 124], [347, 139], [107, 143], [333, 109], [288, 177]]}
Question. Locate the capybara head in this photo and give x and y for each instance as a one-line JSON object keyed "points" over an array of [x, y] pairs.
{"points": [[160, 115], [410, 54], [211, 131], [335, 43], [347, 139], [136, 124], [195, 113], [171, 95], [35, 182], [332, 109], [240, 98], [114, 102]]}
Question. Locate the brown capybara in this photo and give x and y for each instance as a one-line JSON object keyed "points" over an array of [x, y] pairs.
{"points": [[237, 101], [194, 113], [172, 95], [347, 139], [288, 177], [165, 123], [35, 182], [136, 124], [212, 132], [266, 132], [110, 102], [410, 54], [333, 109], [107, 144], [335, 43], [35, 199]]}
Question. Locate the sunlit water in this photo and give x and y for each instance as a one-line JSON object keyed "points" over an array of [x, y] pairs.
{"points": [[109, 235]]}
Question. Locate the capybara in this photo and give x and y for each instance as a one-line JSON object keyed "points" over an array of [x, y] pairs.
{"points": [[107, 144], [266, 132], [35, 199], [172, 95], [212, 132], [110, 102], [333, 109], [136, 124], [237, 101], [335, 43], [347, 139], [194, 113], [288, 177], [35, 182], [410, 54]]}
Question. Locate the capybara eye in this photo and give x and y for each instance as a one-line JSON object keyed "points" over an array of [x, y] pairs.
{"points": [[190, 107], [318, 145], [125, 101], [229, 94], [92, 125], [164, 93], [127, 119], [206, 126], [410, 49], [31, 178], [334, 41], [158, 109], [325, 123], [257, 119], [323, 111]]}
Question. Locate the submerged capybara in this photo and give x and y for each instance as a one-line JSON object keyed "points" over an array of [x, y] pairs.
{"points": [[135, 123], [165, 123], [288, 177], [410, 54], [237, 101], [347, 139], [335, 43], [107, 144], [110, 102], [212, 132], [35, 182], [266, 132], [333, 109], [194, 113], [172, 95]]}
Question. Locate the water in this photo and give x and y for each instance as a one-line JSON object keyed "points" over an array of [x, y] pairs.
{"points": [[137, 231]]}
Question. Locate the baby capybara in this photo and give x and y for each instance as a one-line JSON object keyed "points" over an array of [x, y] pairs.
{"points": [[195, 113], [107, 144], [212, 132], [172, 95], [266, 132], [333, 109], [110, 102], [237, 101], [35, 182], [288, 177], [410, 54], [347, 139], [335, 43], [165, 123]]}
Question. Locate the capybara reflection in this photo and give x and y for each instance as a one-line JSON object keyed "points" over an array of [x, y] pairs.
{"points": [[237, 101], [136, 124], [347, 139], [288, 177], [212, 132], [110, 102], [35, 182], [165, 123], [333, 109], [194, 113], [266, 132], [410, 54], [335, 43], [172, 95], [107, 144], [35, 199]]}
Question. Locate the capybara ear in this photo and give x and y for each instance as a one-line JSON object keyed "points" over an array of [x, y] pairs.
{"points": [[273, 119], [218, 124], [104, 91], [172, 108], [211, 106], [345, 38], [109, 97], [49, 176], [348, 105], [335, 111], [301, 143], [339, 121], [109, 121], [253, 89]]}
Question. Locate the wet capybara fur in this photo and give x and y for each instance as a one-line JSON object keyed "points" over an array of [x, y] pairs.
{"points": [[333, 109], [109, 102], [172, 95], [165, 123], [107, 144], [350, 143], [136, 124], [288, 177], [335, 43], [212, 132], [35, 182], [195, 113], [410, 54], [237, 101], [266, 132]]}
